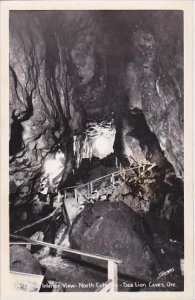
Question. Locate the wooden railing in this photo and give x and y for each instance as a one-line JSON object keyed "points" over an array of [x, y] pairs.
{"points": [[39, 221], [112, 263], [27, 244], [141, 169]]}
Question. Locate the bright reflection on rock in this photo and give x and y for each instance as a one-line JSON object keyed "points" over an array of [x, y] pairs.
{"points": [[97, 141], [103, 146], [53, 165]]}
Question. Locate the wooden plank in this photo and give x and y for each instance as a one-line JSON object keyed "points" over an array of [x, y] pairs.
{"points": [[151, 167], [144, 169], [65, 213], [28, 245], [91, 187], [75, 193], [113, 275], [20, 243], [116, 162], [88, 188], [113, 180], [68, 250], [139, 171]]}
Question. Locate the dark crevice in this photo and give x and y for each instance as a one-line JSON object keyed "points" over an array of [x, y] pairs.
{"points": [[16, 141]]}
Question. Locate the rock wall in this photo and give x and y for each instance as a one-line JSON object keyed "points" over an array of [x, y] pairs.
{"points": [[54, 83], [145, 64], [157, 93], [38, 103], [136, 143], [67, 67]]}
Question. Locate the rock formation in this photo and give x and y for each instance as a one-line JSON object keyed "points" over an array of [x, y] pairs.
{"points": [[66, 68], [71, 69], [115, 230]]}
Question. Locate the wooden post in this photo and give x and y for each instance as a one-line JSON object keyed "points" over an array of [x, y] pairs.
{"points": [[113, 180], [88, 190], [144, 169], [116, 162], [65, 214], [28, 246], [75, 194], [113, 275], [91, 187]]}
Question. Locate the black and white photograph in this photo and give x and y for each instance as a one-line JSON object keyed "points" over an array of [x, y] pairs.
{"points": [[96, 150]]}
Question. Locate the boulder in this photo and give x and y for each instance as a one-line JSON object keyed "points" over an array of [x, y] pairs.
{"points": [[100, 208], [76, 232], [117, 232], [72, 208], [21, 260]]}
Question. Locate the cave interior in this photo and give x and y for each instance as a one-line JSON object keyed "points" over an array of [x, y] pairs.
{"points": [[96, 146]]}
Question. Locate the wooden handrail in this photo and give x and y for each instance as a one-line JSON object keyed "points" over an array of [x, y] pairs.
{"points": [[39, 221], [112, 263], [107, 175], [68, 250], [22, 243], [83, 196], [112, 283]]}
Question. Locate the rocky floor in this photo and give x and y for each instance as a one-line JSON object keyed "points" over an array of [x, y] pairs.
{"points": [[131, 222]]}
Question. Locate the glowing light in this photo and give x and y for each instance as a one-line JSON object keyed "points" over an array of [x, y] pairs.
{"points": [[103, 146], [53, 166], [97, 141]]}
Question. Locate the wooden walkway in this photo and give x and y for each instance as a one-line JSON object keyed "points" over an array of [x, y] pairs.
{"points": [[111, 284], [111, 178]]}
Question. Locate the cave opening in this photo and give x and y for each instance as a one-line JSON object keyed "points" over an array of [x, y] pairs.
{"points": [[97, 165]]}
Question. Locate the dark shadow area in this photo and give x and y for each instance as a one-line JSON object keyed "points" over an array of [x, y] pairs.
{"points": [[16, 142]]}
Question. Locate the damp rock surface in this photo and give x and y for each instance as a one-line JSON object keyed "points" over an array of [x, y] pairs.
{"points": [[117, 232], [73, 276], [71, 69], [91, 65], [21, 260]]}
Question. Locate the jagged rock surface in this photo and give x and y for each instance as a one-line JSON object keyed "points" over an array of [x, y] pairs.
{"points": [[115, 230], [159, 98], [66, 67], [21, 260], [55, 80], [38, 106]]}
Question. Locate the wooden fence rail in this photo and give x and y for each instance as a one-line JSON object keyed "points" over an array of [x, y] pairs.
{"points": [[112, 263], [115, 173], [89, 185]]}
